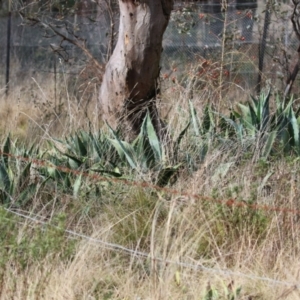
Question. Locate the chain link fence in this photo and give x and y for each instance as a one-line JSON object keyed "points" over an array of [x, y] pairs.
{"points": [[44, 63], [234, 39], [197, 37]]}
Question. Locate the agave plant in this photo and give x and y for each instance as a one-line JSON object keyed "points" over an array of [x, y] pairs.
{"points": [[109, 155], [282, 126], [254, 127], [18, 181], [85, 151], [257, 122], [255, 116], [287, 126], [147, 152], [81, 153], [208, 124]]}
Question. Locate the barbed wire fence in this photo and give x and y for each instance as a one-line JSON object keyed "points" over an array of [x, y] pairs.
{"points": [[135, 253], [196, 32], [202, 37], [36, 52]]}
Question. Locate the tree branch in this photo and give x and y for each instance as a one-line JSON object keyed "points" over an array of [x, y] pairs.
{"points": [[75, 42]]}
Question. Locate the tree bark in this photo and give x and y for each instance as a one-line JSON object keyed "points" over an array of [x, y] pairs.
{"points": [[130, 82]]}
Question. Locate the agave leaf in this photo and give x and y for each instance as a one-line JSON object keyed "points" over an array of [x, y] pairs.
{"points": [[237, 293], [143, 132], [211, 294], [24, 176], [82, 148], [294, 129], [154, 140], [76, 186], [67, 182], [6, 183], [59, 176], [6, 150], [98, 147], [238, 115], [177, 278], [97, 191], [71, 140], [237, 127], [251, 130], [245, 110], [284, 139], [203, 151], [12, 190], [255, 102], [269, 144], [208, 120], [253, 114], [86, 138], [259, 110], [166, 174], [297, 113], [288, 128], [246, 119], [41, 185], [279, 105], [288, 105], [178, 141], [138, 145], [33, 150], [265, 111], [73, 162], [143, 149], [4, 178], [26, 195], [282, 122], [51, 171], [195, 120], [124, 150], [112, 173], [96, 166]]}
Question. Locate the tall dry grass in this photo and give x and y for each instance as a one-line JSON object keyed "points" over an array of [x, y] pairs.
{"points": [[33, 110], [196, 248]]}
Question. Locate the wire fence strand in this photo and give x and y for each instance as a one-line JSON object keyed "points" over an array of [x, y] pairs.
{"points": [[145, 255], [231, 202]]}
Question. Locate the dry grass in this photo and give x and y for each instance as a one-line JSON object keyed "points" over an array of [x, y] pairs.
{"points": [[177, 230], [256, 250], [33, 111]]}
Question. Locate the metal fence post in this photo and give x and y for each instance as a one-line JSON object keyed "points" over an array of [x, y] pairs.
{"points": [[8, 49]]}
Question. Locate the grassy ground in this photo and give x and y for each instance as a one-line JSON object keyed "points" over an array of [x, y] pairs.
{"points": [[238, 238]]}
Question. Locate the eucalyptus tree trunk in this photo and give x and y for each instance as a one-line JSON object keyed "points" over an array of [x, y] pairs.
{"points": [[130, 81]]}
